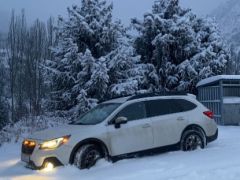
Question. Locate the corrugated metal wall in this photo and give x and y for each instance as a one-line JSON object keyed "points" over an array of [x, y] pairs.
{"points": [[231, 114], [231, 91], [210, 96]]}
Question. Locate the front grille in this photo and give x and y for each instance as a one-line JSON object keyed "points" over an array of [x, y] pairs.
{"points": [[27, 149]]}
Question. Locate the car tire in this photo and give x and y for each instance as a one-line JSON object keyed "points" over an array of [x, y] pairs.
{"points": [[87, 156], [192, 140]]}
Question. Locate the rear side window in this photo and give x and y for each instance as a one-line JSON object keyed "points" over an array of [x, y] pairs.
{"points": [[168, 106], [133, 111], [157, 107], [186, 105]]}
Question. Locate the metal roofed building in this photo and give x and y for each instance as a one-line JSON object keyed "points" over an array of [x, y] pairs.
{"points": [[221, 94]]}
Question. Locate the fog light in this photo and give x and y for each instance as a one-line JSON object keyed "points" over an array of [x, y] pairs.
{"points": [[48, 166], [29, 143]]}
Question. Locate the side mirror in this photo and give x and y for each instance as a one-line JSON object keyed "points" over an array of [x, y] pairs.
{"points": [[119, 121]]}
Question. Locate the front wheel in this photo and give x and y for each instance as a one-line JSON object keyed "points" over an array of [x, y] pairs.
{"points": [[192, 140], [87, 156]]}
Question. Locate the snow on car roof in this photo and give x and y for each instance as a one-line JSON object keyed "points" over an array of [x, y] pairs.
{"points": [[125, 99], [218, 78]]}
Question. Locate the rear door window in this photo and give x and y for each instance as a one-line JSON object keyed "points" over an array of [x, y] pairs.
{"points": [[157, 107], [168, 106], [185, 105], [134, 111]]}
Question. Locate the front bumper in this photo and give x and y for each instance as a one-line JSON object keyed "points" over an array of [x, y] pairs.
{"points": [[52, 160], [36, 158]]}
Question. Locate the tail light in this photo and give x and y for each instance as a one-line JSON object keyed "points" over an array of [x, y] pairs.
{"points": [[209, 114]]}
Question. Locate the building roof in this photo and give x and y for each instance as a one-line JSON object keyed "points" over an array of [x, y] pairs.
{"points": [[213, 79]]}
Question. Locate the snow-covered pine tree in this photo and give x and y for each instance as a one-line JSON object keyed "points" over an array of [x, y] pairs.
{"points": [[84, 103], [88, 63], [88, 33], [183, 48], [92, 27], [93, 77], [212, 56], [4, 115], [97, 87], [127, 74], [63, 74], [93, 56], [121, 62], [4, 105]]}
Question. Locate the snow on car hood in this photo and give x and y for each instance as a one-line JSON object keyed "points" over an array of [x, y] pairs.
{"points": [[60, 131]]}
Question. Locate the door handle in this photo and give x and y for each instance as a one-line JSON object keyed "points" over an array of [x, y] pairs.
{"points": [[146, 126], [180, 119]]}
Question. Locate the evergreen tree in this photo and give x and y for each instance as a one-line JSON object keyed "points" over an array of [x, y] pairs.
{"points": [[91, 27], [92, 55], [64, 72], [4, 106], [4, 116], [94, 59], [183, 48], [84, 103], [97, 86], [127, 74], [93, 77]]}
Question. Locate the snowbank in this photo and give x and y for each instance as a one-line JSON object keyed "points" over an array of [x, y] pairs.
{"points": [[220, 161], [20, 130]]}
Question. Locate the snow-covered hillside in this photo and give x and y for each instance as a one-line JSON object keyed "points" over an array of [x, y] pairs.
{"points": [[220, 161], [228, 17]]}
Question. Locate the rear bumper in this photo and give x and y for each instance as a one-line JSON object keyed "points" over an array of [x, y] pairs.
{"points": [[212, 138]]}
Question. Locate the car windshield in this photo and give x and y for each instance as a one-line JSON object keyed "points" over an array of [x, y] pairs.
{"points": [[97, 114]]}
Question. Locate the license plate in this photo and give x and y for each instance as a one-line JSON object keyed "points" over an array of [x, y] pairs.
{"points": [[25, 158]]}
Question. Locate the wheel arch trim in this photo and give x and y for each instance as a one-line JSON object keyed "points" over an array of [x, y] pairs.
{"points": [[95, 141], [194, 127]]}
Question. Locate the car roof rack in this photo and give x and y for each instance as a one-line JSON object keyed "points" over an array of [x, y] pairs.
{"points": [[164, 93]]}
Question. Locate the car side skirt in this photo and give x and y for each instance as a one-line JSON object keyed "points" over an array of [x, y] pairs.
{"points": [[168, 148]]}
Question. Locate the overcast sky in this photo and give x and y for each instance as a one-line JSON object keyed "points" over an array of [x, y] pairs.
{"points": [[123, 9]]}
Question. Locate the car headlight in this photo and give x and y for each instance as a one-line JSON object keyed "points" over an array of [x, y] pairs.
{"points": [[55, 143]]}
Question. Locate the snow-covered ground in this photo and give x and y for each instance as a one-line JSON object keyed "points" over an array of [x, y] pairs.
{"points": [[220, 161]]}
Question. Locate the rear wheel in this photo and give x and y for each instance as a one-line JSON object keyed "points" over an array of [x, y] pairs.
{"points": [[192, 140], [87, 156]]}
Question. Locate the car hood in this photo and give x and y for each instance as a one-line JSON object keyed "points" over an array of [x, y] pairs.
{"points": [[61, 131]]}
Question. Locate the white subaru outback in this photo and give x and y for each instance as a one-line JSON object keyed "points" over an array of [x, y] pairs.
{"points": [[125, 127]]}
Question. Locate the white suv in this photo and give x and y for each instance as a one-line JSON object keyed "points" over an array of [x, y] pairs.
{"points": [[124, 127]]}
